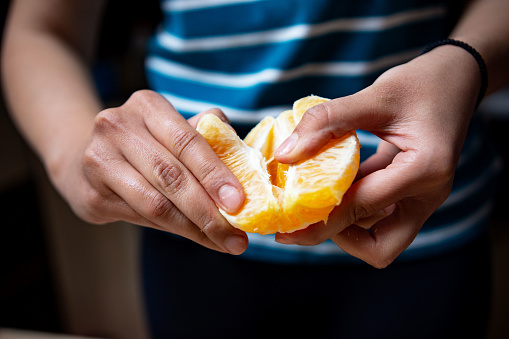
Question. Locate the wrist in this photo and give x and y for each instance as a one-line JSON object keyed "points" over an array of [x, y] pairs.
{"points": [[483, 72], [454, 70], [61, 156]]}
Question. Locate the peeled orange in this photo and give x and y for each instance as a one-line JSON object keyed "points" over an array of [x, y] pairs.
{"points": [[279, 197]]}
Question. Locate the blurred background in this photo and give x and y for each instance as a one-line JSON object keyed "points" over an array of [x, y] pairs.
{"points": [[59, 275]]}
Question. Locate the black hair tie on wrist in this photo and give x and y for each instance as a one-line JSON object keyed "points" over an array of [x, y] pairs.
{"points": [[477, 57]]}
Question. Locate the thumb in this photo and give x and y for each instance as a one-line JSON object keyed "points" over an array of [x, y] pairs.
{"points": [[326, 121]]}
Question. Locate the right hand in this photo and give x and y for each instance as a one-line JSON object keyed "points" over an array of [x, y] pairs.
{"points": [[421, 110], [145, 164]]}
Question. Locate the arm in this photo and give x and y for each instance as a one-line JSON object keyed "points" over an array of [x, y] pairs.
{"points": [[484, 26], [141, 162], [421, 110], [46, 48]]}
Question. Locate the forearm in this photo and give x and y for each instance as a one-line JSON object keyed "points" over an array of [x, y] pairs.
{"points": [[49, 95], [484, 27], [48, 89]]}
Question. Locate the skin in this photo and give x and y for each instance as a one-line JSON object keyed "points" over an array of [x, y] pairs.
{"points": [[421, 111], [140, 162], [143, 163]]}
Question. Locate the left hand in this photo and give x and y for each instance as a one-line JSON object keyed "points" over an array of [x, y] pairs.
{"points": [[421, 110]]}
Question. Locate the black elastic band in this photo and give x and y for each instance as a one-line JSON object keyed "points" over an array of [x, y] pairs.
{"points": [[477, 57]]}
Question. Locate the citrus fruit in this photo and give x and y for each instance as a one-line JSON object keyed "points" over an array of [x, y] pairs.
{"points": [[280, 197]]}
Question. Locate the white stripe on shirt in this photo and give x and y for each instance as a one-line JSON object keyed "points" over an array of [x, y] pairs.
{"points": [[425, 239], [476, 185], [368, 139], [186, 5], [245, 80], [246, 116], [234, 114], [297, 32]]}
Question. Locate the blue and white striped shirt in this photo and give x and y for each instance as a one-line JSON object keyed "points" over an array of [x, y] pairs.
{"points": [[253, 58]]}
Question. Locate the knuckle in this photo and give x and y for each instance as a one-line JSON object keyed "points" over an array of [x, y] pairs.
{"points": [[144, 96], [381, 262], [108, 121], [212, 176], [319, 114], [159, 207], [318, 123], [169, 176], [210, 226], [183, 140], [359, 212], [95, 162], [381, 256], [324, 118], [92, 157]]}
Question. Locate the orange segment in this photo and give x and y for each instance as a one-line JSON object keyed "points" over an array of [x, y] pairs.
{"points": [[318, 184], [261, 208], [283, 128], [261, 137], [280, 197]]}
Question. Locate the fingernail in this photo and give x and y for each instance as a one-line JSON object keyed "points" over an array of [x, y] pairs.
{"points": [[235, 244], [288, 145], [229, 197], [388, 210]]}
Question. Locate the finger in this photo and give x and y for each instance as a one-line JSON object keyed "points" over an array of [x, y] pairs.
{"points": [[332, 119], [123, 127], [316, 234], [171, 130], [116, 209], [124, 194], [388, 238], [140, 203], [310, 236], [381, 159], [193, 121], [181, 192], [368, 222], [408, 176]]}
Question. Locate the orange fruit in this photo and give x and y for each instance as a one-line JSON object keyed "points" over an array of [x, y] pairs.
{"points": [[279, 197]]}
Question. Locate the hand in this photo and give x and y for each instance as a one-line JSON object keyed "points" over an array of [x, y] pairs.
{"points": [[145, 164], [421, 111]]}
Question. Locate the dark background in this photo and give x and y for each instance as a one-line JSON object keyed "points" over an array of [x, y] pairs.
{"points": [[28, 293]]}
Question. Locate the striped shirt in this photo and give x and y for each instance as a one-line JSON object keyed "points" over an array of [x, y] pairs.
{"points": [[253, 58]]}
